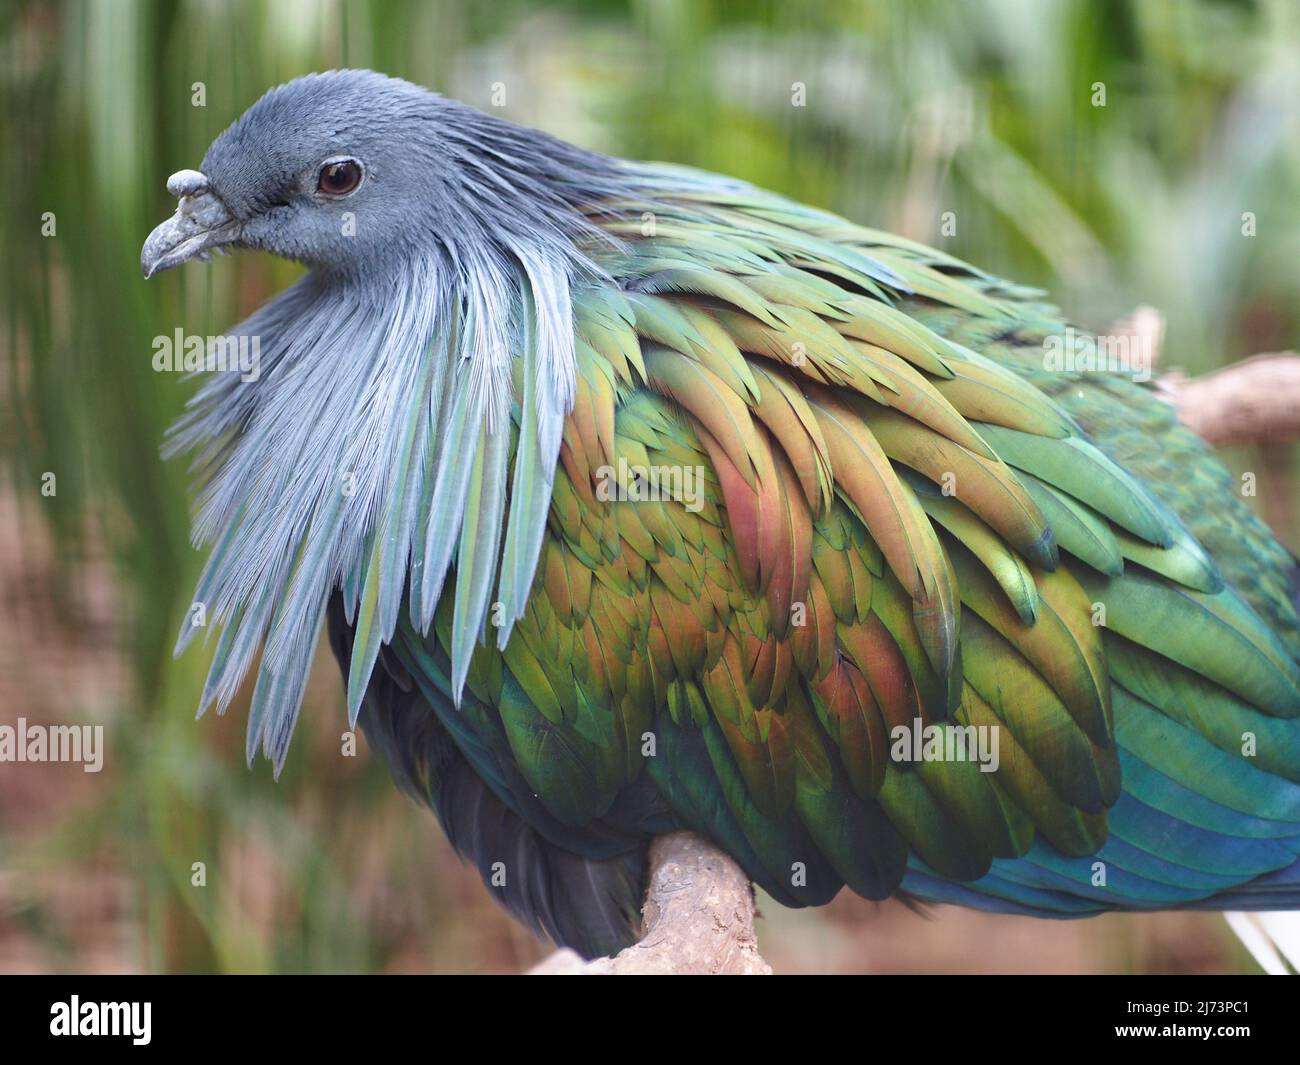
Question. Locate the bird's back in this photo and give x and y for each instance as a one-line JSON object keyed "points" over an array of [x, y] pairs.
{"points": [[841, 570]]}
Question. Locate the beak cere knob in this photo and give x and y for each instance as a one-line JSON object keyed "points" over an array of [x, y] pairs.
{"points": [[187, 183], [201, 224]]}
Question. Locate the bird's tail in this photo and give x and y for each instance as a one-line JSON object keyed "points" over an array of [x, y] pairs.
{"points": [[1273, 939], [1272, 936], [1264, 917]]}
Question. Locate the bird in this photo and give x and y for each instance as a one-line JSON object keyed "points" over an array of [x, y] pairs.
{"points": [[634, 498]]}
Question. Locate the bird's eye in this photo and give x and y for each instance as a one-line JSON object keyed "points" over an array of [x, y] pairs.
{"points": [[338, 177]]}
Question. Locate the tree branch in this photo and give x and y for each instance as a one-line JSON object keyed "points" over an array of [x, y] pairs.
{"points": [[1255, 401], [699, 918]]}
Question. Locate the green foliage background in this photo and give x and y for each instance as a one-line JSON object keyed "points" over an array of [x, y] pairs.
{"points": [[987, 109]]}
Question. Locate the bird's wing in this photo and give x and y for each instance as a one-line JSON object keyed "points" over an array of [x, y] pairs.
{"points": [[814, 491]]}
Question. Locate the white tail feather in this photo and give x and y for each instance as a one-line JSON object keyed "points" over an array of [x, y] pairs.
{"points": [[1265, 934]]}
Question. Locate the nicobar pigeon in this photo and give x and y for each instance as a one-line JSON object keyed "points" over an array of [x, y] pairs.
{"points": [[636, 498]]}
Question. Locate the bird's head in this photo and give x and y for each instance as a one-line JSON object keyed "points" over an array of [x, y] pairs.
{"points": [[325, 170], [351, 170], [444, 247]]}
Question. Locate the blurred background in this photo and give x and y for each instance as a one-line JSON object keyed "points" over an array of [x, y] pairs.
{"points": [[986, 109]]}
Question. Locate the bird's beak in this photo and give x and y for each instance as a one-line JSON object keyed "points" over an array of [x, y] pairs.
{"points": [[200, 225]]}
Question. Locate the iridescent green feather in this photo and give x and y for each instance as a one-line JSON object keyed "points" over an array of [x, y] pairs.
{"points": [[896, 514]]}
